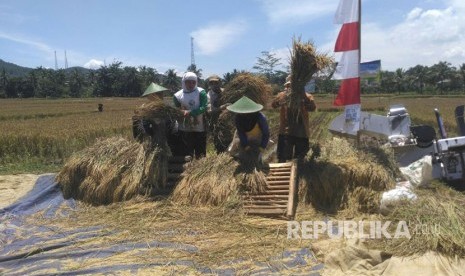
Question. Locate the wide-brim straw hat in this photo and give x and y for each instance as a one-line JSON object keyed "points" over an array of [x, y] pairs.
{"points": [[154, 88], [245, 105], [288, 80], [214, 78]]}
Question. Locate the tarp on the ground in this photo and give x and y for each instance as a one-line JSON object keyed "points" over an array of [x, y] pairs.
{"points": [[354, 260], [30, 248]]}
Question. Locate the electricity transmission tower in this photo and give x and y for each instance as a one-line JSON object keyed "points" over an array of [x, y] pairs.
{"points": [[56, 63], [66, 61], [192, 51]]}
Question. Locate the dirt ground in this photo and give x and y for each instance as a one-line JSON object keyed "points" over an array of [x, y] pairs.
{"points": [[13, 187]]}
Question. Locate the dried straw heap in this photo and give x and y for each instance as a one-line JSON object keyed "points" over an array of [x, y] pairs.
{"points": [[219, 180], [343, 178], [246, 84], [436, 222], [116, 169]]}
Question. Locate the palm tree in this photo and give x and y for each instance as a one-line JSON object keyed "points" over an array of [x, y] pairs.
{"points": [[441, 74], [147, 75], [388, 81], [3, 83], [193, 68], [171, 80], [399, 79], [132, 86], [418, 76]]}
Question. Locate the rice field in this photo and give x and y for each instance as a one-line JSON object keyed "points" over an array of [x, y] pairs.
{"points": [[37, 135], [46, 132], [40, 134]]}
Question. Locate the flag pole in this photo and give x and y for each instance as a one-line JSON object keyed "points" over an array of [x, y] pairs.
{"points": [[360, 58], [360, 29], [359, 40]]}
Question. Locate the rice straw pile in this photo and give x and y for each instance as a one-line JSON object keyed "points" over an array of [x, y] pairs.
{"points": [[116, 169], [112, 170], [344, 178], [245, 84], [218, 180], [436, 222]]}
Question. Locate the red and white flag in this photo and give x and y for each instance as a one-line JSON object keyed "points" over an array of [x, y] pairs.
{"points": [[348, 68]]}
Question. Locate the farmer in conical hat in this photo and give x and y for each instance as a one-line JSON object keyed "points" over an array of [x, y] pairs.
{"points": [[141, 127], [154, 92], [251, 125], [192, 100], [293, 128]]}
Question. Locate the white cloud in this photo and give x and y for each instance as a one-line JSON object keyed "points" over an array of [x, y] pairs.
{"points": [[27, 41], [414, 14], [215, 37], [296, 11], [94, 64], [424, 37]]}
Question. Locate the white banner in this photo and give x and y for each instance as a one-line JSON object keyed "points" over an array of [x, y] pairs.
{"points": [[352, 118]]}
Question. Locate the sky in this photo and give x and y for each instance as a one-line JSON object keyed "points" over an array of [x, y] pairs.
{"points": [[227, 35]]}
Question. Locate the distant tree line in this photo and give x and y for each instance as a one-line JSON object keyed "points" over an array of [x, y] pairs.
{"points": [[116, 80]]}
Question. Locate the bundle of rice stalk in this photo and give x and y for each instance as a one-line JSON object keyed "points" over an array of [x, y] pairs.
{"points": [[113, 170], [246, 84], [343, 178], [157, 109], [305, 62], [223, 129], [218, 180], [153, 121]]}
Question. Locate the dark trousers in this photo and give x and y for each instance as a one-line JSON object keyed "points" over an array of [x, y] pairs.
{"points": [[290, 147], [282, 152], [195, 143], [298, 146], [176, 145]]}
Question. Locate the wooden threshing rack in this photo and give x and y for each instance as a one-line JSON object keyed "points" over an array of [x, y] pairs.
{"points": [[279, 198]]}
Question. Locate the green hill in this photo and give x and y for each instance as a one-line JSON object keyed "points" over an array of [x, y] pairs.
{"points": [[14, 70]]}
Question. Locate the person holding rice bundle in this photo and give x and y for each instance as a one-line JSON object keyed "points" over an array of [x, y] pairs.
{"points": [[154, 92], [251, 125], [142, 126], [192, 100], [294, 127]]}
